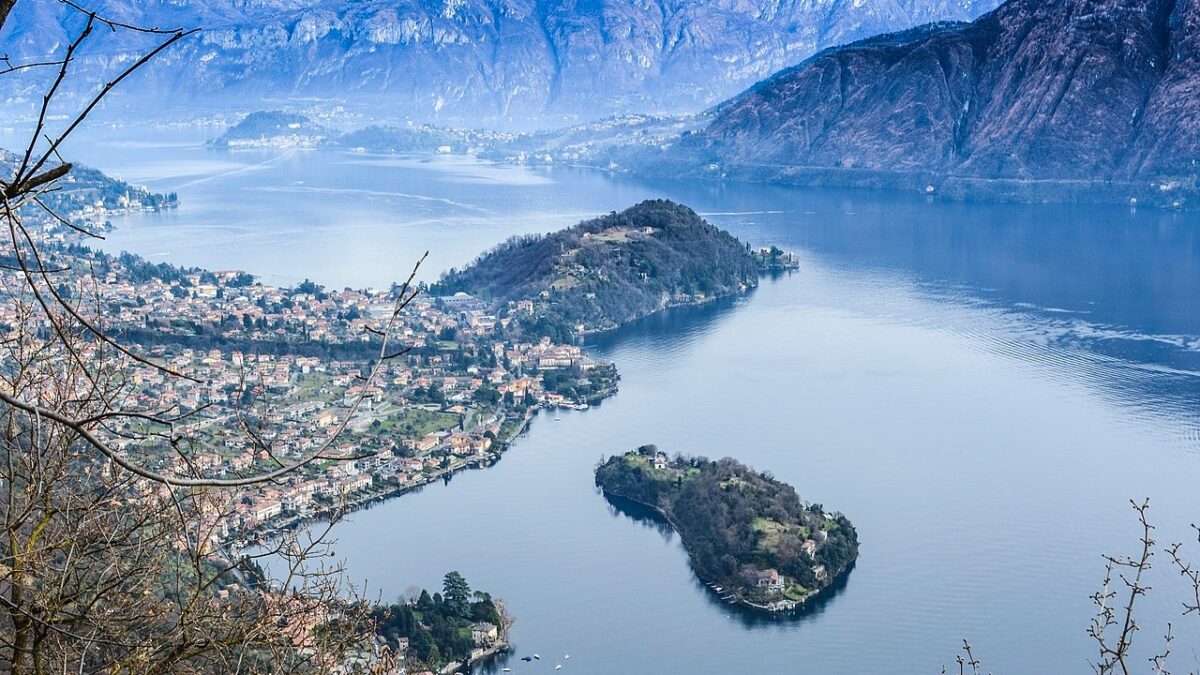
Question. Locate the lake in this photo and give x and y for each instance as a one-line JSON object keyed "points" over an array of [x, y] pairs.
{"points": [[980, 388]]}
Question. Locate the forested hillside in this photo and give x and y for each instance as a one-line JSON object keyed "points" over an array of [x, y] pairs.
{"points": [[610, 270]]}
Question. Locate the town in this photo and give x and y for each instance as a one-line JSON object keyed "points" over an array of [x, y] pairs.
{"points": [[276, 374]]}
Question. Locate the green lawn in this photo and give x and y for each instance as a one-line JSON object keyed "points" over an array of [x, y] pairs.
{"points": [[307, 386], [795, 592], [415, 423], [771, 530], [670, 473]]}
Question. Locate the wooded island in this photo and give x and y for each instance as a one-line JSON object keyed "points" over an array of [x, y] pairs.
{"points": [[749, 536]]}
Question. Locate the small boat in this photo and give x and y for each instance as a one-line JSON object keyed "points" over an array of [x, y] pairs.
{"points": [[556, 418], [558, 667], [567, 657], [526, 658], [506, 670], [537, 657]]}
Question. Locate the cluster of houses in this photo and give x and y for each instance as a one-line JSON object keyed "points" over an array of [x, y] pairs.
{"points": [[300, 405], [311, 404], [486, 636], [771, 584], [239, 413]]}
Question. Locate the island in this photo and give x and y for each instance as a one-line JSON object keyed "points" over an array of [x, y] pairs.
{"points": [[749, 536], [273, 129], [608, 271], [775, 259]]}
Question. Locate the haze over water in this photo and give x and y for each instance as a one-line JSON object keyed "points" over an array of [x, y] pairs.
{"points": [[980, 388]]}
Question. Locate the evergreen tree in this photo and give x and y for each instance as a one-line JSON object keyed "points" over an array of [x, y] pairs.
{"points": [[456, 593]]}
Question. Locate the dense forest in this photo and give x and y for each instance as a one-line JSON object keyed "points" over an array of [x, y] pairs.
{"points": [[438, 626], [609, 270], [738, 524]]}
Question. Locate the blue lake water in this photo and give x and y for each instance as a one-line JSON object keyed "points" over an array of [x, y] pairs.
{"points": [[980, 388]]}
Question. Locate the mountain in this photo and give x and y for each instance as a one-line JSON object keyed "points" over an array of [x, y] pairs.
{"points": [[610, 270], [1082, 95], [473, 59]]}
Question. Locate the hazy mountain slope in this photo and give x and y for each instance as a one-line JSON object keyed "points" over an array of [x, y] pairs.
{"points": [[1038, 89], [480, 58]]}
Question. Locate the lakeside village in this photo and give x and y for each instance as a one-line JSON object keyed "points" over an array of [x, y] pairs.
{"points": [[456, 399], [284, 370], [282, 374]]}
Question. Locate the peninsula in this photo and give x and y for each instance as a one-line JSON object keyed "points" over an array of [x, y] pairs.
{"points": [[748, 535], [608, 271], [444, 632], [273, 129]]}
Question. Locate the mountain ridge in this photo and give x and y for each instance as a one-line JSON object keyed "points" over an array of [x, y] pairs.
{"points": [[472, 59], [1064, 90]]}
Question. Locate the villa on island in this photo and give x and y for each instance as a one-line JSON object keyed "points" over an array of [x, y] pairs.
{"points": [[770, 580]]}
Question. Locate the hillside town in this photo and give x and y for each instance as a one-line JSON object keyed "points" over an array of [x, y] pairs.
{"points": [[285, 373]]}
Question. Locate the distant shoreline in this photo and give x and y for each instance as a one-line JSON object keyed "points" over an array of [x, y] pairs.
{"points": [[947, 186]]}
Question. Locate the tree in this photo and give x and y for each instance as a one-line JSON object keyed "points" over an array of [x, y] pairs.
{"points": [[425, 601], [456, 593], [486, 394], [424, 648]]}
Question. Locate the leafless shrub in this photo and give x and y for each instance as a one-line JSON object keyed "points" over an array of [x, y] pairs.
{"points": [[1115, 625]]}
